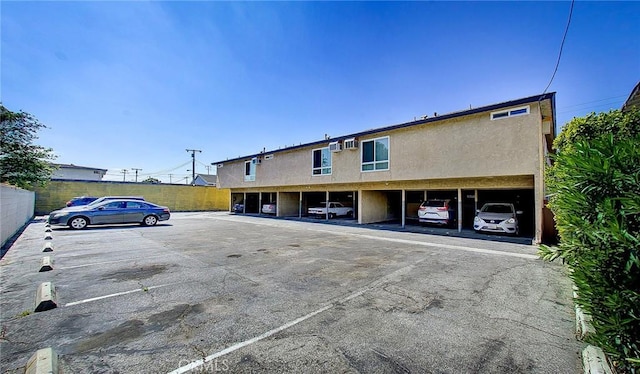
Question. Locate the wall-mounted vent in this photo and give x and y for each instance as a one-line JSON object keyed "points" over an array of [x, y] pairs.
{"points": [[268, 157], [335, 146], [351, 143], [219, 165]]}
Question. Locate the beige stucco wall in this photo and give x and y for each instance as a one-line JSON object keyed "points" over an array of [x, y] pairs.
{"points": [[288, 204], [373, 207], [176, 197], [463, 147]]}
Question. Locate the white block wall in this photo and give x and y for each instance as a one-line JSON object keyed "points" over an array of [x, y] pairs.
{"points": [[16, 209]]}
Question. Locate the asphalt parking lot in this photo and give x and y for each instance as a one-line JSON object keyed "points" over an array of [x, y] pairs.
{"points": [[215, 292]]}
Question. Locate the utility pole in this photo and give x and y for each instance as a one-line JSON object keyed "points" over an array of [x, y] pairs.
{"points": [[170, 175], [136, 170], [208, 169], [124, 174], [193, 163]]}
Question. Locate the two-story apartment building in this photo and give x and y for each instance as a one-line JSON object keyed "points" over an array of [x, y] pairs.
{"points": [[494, 153]]}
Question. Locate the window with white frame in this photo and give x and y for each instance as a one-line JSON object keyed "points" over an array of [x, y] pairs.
{"points": [[321, 163], [375, 154], [510, 113], [249, 171]]}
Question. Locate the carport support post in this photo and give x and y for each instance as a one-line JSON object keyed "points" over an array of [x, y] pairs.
{"points": [[459, 209], [326, 198], [259, 203], [300, 205], [404, 207], [244, 202]]}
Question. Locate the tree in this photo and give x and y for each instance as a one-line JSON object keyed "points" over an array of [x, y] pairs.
{"points": [[22, 163], [594, 185]]}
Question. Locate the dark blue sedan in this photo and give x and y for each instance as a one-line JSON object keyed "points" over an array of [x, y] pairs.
{"points": [[110, 212]]}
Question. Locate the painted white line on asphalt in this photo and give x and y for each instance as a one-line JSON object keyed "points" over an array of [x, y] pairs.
{"points": [[447, 246], [403, 241], [109, 262], [115, 294], [245, 343], [330, 305]]}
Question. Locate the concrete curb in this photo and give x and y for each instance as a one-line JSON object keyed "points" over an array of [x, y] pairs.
{"points": [[48, 247], [46, 264], [45, 297], [595, 361], [44, 361]]}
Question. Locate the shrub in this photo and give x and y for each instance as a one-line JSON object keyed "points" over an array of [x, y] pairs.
{"points": [[595, 196]]}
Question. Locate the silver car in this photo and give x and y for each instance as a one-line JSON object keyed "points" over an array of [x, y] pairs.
{"points": [[497, 217], [110, 212]]}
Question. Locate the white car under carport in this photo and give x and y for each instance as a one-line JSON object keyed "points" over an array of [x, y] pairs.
{"points": [[497, 218]]}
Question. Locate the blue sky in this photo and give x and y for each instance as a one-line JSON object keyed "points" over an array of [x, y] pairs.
{"points": [[126, 85]]}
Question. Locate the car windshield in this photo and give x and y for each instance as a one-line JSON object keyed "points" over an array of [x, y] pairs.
{"points": [[497, 208]]}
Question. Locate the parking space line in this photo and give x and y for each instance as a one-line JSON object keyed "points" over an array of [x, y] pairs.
{"points": [[329, 305], [111, 262], [116, 294], [402, 241]]}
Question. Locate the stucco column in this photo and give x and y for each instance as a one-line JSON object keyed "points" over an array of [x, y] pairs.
{"points": [[244, 202], [459, 209], [300, 205], [538, 196], [259, 203], [404, 207], [326, 198]]}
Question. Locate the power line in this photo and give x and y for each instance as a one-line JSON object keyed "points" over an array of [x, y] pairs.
{"points": [[564, 37]]}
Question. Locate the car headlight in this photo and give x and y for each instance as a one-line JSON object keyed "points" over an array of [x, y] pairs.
{"points": [[61, 214], [511, 220], [476, 219]]}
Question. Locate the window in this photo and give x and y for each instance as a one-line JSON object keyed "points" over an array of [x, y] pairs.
{"points": [[375, 154], [510, 113], [249, 171], [321, 161]]}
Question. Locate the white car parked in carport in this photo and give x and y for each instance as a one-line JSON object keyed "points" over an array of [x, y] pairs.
{"points": [[497, 217], [335, 210]]}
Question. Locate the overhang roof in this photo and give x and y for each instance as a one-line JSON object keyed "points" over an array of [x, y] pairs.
{"points": [[72, 166], [633, 100], [488, 108]]}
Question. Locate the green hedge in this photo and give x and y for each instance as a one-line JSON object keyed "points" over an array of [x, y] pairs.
{"points": [[595, 196]]}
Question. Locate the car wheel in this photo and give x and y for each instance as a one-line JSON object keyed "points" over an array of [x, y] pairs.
{"points": [[350, 214], [150, 220], [78, 223]]}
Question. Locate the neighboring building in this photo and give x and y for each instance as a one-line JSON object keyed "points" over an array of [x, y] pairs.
{"points": [[205, 180], [496, 153], [634, 99], [74, 172]]}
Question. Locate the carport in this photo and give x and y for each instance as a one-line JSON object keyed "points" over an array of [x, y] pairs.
{"points": [[316, 198], [522, 199], [381, 206], [402, 206]]}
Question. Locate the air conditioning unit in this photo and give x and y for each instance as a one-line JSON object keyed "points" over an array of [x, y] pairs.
{"points": [[351, 143], [256, 160], [335, 146]]}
